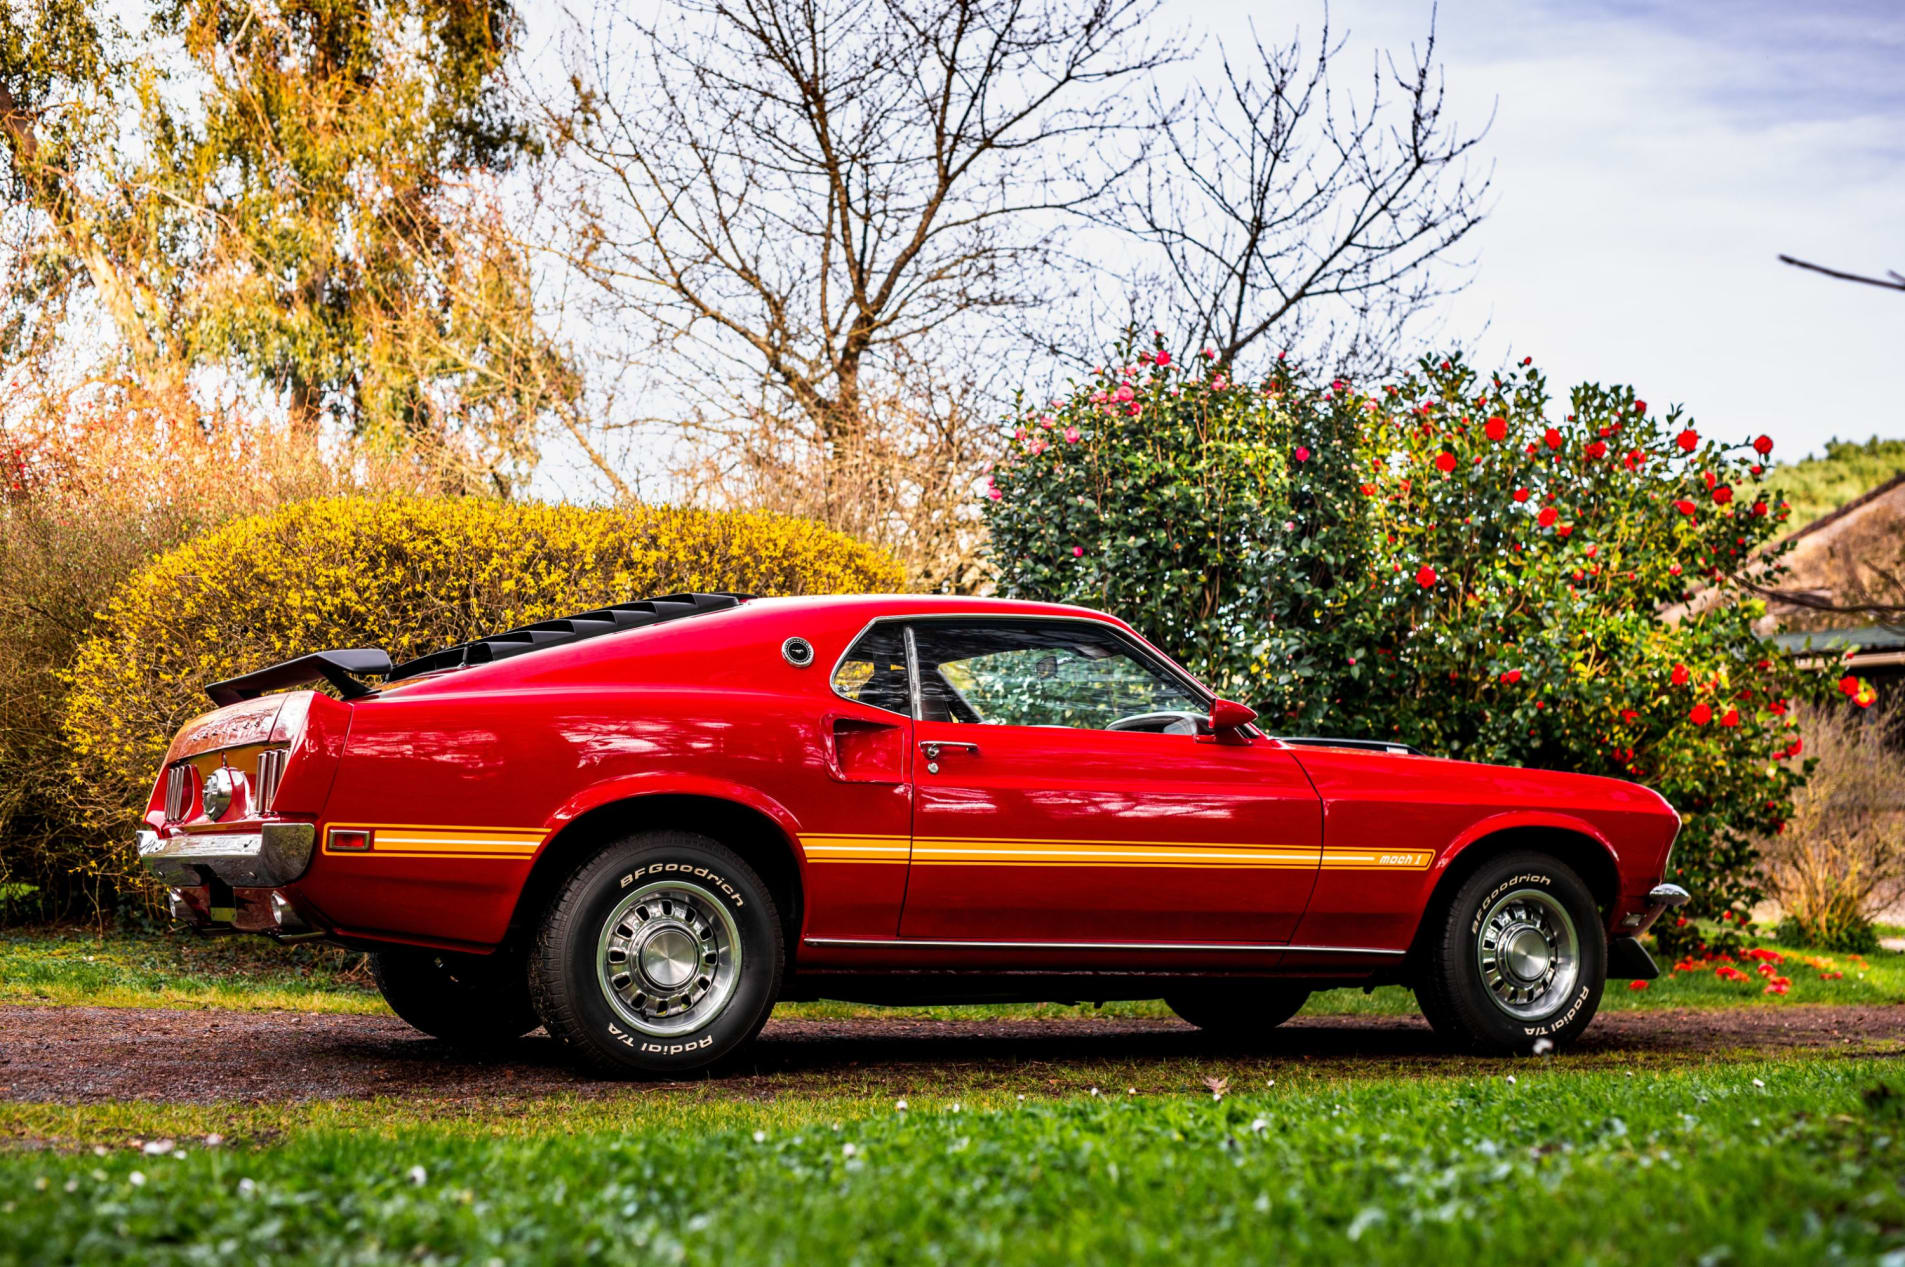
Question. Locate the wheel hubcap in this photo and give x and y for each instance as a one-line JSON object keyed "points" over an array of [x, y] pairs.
{"points": [[1528, 954], [669, 958]]}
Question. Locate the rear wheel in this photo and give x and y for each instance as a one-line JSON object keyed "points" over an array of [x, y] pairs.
{"points": [[1241, 1013], [469, 1000], [661, 955], [1516, 956]]}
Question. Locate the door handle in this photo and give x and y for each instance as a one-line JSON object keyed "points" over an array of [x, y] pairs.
{"points": [[931, 747]]}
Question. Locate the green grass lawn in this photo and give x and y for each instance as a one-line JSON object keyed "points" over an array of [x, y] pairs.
{"points": [[143, 969], [1777, 1161]]}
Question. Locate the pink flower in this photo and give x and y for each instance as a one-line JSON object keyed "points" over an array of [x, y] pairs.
{"points": [[1123, 393], [1078, 552], [1209, 354], [1037, 446], [1164, 358], [1072, 436], [994, 494], [1302, 454]]}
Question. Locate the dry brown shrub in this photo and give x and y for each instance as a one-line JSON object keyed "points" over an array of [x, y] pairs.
{"points": [[1841, 858], [89, 491]]}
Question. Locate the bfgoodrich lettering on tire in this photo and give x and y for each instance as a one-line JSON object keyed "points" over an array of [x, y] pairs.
{"points": [[660, 955], [1516, 955]]}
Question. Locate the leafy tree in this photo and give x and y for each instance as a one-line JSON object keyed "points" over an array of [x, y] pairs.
{"points": [[1442, 560], [300, 196]]}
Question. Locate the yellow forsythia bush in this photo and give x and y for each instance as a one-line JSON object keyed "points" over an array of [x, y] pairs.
{"points": [[410, 575]]}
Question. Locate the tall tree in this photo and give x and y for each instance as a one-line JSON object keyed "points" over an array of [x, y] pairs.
{"points": [[826, 202], [302, 196], [1287, 210]]}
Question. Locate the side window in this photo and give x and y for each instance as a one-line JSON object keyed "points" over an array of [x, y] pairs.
{"points": [[1047, 673], [874, 670]]}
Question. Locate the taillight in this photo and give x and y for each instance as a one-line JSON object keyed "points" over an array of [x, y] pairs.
{"points": [[177, 785], [271, 764]]}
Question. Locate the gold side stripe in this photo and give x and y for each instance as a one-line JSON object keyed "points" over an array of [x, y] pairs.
{"points": [[1006, 852], [408, 840]]}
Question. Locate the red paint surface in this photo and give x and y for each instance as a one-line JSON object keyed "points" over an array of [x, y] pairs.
{"points": [[707, 707]]}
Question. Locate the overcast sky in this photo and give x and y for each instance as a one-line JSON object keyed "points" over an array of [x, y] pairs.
{"points": [[1652, 161]]}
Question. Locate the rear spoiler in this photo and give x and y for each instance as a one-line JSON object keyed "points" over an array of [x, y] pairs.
{"points": [[341, 669]]}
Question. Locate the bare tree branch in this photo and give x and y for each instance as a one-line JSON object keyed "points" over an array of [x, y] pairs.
{"points": [[1893, 280], [1284, 205], [825, 202]]}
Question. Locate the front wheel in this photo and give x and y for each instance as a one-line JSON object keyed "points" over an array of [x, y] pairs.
{"points": [[1239, 1012], [661, 955], [1516, 956]]}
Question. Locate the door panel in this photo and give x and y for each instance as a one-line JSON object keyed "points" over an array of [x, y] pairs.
{"points": [[1059, 834]]}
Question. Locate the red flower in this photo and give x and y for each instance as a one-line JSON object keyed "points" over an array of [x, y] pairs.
{"points": [[1759, 508], [1597, 450], [1302, 454], [1849, 686], [1730, 718], [1425, 576], [1553, 438], [1723, 494], [1078, 552], [1496, 428], [1445, 461], [1684, 506], [1521, 494], [1628, 714], [1547, 516], [1564, 530], [1512, 676], [1164, 358], [1637, 985], [1763, 445], [1640, 406], [1688, 440], [1701, 715], [1367, 490]]}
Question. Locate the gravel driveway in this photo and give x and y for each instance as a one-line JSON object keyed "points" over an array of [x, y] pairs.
{"points": [[74, 1055]]}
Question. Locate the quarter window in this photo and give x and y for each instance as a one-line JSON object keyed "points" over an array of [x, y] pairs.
{"points": [[874, 671]]}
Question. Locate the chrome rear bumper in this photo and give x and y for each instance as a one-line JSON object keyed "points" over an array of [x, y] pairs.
{"points": [[274, 854]]}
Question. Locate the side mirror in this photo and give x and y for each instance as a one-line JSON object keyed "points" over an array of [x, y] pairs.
{"points": [[1228, 718]]}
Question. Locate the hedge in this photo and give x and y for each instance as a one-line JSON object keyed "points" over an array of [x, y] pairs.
{"points": [[407, 574]]}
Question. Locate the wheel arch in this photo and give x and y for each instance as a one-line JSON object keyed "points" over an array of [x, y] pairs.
{"points": [[1567, 840], [754, 827]]}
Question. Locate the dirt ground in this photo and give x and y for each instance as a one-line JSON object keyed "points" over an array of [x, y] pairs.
{"points": [[75, 1055]]}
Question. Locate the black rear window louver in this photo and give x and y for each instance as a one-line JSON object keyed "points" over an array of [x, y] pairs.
{"points": [[550, 633]]}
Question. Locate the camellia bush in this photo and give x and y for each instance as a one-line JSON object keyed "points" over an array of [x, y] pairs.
{"points": [[1451, 560], [409, 574]]}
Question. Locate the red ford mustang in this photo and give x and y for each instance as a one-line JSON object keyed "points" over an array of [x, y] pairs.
{"points": [[641, 826]]}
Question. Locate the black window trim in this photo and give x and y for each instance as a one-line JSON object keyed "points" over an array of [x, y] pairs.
{"points": [[1139, 652]]}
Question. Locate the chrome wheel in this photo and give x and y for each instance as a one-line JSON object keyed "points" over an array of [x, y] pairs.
{"points": [[669, 958], [1528, 954]]}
